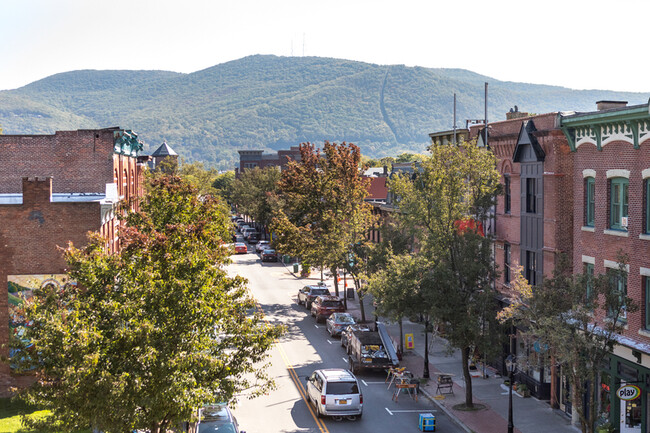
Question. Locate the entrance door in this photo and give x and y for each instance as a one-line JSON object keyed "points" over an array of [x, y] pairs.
{"points": [[630, 415]]}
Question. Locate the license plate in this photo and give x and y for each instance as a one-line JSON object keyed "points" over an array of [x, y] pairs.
{"points": [[343, 402], [367, 360]]}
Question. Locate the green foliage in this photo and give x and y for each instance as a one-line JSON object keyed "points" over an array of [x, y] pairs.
{"points": [[223, 184], [271, 103], [578, 317], [255, 193], [456, 184], [146, 336]]}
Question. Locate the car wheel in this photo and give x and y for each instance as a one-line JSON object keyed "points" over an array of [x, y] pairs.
{"points": [[308, 305], [299, 301], [359, 416]]}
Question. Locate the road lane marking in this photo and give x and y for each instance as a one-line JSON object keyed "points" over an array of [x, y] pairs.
{"points": [[345, 360], [388, 410], [294, 377]]}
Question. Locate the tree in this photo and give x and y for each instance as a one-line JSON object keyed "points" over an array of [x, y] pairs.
{"points": [[578, 318], [324, 212], [197, 174], [223, 184], [255, 193], [444, 203], [146, 336]]}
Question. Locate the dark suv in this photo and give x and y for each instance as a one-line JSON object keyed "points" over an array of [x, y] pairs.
{"points": [[307, 294], [324, 306]]}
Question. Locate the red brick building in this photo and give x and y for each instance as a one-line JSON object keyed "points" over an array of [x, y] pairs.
{"points": [[532, 222], [54, 189], [257, 158], [611, 185]]}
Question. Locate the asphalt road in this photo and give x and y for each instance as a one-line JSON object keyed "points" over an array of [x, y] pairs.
{"points": [[305, 347]]}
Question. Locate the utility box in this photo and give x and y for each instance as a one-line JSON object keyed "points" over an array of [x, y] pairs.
{"points": [[295, 268], [427, 422], [350, 293]]}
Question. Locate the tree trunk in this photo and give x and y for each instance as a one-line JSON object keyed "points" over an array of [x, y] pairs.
{"points": [[468, 378], [335, 272], [401, 336], [361, 306]]}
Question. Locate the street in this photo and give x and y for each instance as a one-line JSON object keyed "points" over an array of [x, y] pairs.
{"points": [[307, 346]]}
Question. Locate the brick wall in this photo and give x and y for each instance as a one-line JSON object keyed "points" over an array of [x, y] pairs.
{"points": [[599, 245]]}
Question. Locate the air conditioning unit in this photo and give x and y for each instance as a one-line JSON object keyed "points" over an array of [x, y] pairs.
{"points": [[624, 221]]}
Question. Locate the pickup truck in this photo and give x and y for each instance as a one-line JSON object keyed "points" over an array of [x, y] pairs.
{"points": [[366, 350]]}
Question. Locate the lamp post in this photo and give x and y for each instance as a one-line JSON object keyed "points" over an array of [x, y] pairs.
{"points": [[510, 365]]}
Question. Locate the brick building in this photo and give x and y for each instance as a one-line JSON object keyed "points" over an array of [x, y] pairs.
{"points": [[611, 185], [532, 221], [54, 189], [257, 158]]}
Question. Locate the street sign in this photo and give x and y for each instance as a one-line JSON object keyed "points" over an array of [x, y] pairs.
{"points": [[628, 392], [409, 341]]}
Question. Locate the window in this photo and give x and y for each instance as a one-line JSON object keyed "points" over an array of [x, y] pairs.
{"points": [[506, 263], [646, 281], [531, 267], [618, 284], [618, 203], [530, 195], [506, 198], [590, 201], [647, 205]]}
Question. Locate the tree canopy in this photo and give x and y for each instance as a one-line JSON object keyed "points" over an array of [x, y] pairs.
{"points": [[142, 338]]}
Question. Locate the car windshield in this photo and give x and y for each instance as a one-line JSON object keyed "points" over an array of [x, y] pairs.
{"points": [[219, 427], [269, 251], [320, 291], [332, 303], [344, 319], [340, 388]]}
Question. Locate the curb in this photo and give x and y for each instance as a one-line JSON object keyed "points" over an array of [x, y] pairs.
{"points": [[447, 412]]}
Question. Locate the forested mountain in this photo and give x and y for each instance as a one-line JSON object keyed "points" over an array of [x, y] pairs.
{"points": [[271, 103]]}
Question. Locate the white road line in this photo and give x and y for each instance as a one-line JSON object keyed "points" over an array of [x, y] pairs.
{"points": [[376, 383], [346, 360], [330, 342], [364, 382], [412, 410], [388, 410], [316, 326]]}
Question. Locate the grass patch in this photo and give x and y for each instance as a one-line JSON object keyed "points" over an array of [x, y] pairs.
{"points": [[10, 415]]}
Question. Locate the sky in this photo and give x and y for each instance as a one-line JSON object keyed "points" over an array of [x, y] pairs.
{"points": [[577, 44]]}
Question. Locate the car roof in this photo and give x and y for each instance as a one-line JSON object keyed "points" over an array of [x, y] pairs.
{"points": [[337, 374], [329, 298], [268, 249], [240, 244]]}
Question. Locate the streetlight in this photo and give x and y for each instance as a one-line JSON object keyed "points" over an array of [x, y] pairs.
{"points": [[510, 365]]}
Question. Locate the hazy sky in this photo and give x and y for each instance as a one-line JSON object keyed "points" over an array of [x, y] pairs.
{"points": [[595, 44]]}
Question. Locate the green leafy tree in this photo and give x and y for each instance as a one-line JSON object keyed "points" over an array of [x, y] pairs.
{"points": [[197, 174], [147, 335], [254, 193], [324, 212], [443, 203], [579, 318], [223, 184]]}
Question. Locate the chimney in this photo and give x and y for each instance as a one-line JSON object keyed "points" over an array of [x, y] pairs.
{"points": [[607, 105], [514, 113], [385, 173]]}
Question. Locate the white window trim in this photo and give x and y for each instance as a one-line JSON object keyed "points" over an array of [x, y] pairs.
{"points": [[613, 264], [618, 173], [587, 229], [614, 232], [589, 259], [644, 272], [588, 173], [645, 173]]}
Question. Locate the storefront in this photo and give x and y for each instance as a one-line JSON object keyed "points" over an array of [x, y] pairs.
{"points": [[624, 395]]}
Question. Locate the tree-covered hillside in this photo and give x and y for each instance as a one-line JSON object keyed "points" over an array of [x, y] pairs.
{"points": [[271, 103]]}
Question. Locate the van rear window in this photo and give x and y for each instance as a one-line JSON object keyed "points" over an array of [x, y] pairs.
{"points": [[320, 291], [341, 388], [332, 303]]}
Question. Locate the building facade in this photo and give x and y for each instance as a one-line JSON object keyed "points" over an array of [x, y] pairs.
{"points": [[611, 206], [54, 189], [257, 158]]}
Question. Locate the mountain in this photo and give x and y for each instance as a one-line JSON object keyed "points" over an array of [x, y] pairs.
{"points": [[271, 103]]}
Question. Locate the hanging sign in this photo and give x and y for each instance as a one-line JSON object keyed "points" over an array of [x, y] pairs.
{"points": [[409, 341], [628, 392]]}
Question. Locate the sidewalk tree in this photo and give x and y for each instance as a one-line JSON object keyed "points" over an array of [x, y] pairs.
{"points": [[324, 213], [146, 336], [579, 318], [255, 193], [444, 203], [223, 184]]}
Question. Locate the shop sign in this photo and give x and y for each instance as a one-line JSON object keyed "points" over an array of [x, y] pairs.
{"points": [[628, 392]]}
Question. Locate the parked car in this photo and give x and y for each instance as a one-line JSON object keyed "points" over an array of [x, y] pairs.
{"points": [[248, 231], [261, 246], [240, 248], [335, 392], [307, 294], [269, 255], [217, 418], [337, 322], [345, 335], [324, 306], [253, 237]]}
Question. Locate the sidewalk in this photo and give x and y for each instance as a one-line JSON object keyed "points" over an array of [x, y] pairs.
{"points": [[529, 414]]}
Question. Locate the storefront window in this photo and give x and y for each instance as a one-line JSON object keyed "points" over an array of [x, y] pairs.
{"points": [[604, 400]]}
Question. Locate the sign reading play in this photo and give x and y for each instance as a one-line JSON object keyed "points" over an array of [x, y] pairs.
{"points": [[628, 392]]}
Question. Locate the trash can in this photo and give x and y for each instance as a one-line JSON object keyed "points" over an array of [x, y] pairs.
{"points": [[286, 259], [350, 293], [295, 268]]}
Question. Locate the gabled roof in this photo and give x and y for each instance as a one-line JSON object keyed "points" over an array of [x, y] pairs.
{"points": [[527, 138], [164, 150]]}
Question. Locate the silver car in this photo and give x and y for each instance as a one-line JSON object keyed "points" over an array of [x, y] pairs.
{"points": [[335, 392]]}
